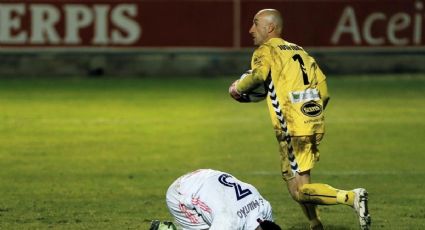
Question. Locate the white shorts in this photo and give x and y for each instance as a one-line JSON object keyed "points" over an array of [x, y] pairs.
{"points": [[187, 217]]}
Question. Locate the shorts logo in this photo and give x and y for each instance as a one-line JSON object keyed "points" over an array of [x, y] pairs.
{"points": [[311, 109]]}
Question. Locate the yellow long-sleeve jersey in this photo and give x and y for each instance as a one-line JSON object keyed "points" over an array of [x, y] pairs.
{"points": [[297, 81]]}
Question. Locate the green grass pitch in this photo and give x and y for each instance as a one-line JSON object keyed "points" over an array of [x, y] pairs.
{"points": [[100, 153]]}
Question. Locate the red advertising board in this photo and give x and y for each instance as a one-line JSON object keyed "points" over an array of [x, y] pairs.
{"points": [[207, 23], [326, 23]]}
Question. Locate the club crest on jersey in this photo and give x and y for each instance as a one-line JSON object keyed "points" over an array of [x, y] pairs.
{"points": [[311, 109]]}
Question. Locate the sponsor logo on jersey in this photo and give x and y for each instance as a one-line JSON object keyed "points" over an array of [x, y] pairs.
{"points": [[311, 109], [315, 121], [305, 95]]}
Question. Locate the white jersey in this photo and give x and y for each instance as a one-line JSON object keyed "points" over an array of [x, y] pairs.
{"points": [[214, 200]]}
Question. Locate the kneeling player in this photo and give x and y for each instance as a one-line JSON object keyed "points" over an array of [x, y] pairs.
{"points": [[214, 200]]}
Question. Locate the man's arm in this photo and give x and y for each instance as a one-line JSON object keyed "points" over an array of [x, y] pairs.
{"points": [[322, 87], [260, 65], [247, 81]]}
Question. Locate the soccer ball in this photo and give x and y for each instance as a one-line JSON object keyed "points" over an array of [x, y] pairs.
{"points": [[256, 94]]}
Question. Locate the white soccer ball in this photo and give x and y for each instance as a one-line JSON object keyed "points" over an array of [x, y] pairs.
{"points": [[256, 94]]}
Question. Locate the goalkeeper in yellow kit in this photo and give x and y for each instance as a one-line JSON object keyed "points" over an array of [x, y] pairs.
{"points": [[297, 98]]}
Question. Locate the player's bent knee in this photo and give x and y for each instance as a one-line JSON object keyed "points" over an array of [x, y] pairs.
{"points": [[295, 195], [293, 190], [305, 192]]}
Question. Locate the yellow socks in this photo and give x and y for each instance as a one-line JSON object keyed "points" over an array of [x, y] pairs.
{"points": [[345, 197], [324, 194]]}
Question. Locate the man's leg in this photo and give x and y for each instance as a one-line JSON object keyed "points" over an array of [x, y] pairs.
{"points": [[310, 195], [185, 217], [323, 194], [310, 210]]}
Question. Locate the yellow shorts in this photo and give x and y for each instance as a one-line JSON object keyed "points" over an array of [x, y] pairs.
{"points": [[305, 150]]}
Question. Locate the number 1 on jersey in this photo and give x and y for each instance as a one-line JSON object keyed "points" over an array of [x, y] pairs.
{"points": [[298, 58]]}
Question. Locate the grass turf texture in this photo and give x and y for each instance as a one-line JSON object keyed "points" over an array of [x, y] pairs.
{"points": [[100, 153]]}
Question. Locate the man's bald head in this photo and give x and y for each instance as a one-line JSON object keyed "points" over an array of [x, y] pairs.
{"points": [[267, 24], [273, 16]]}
